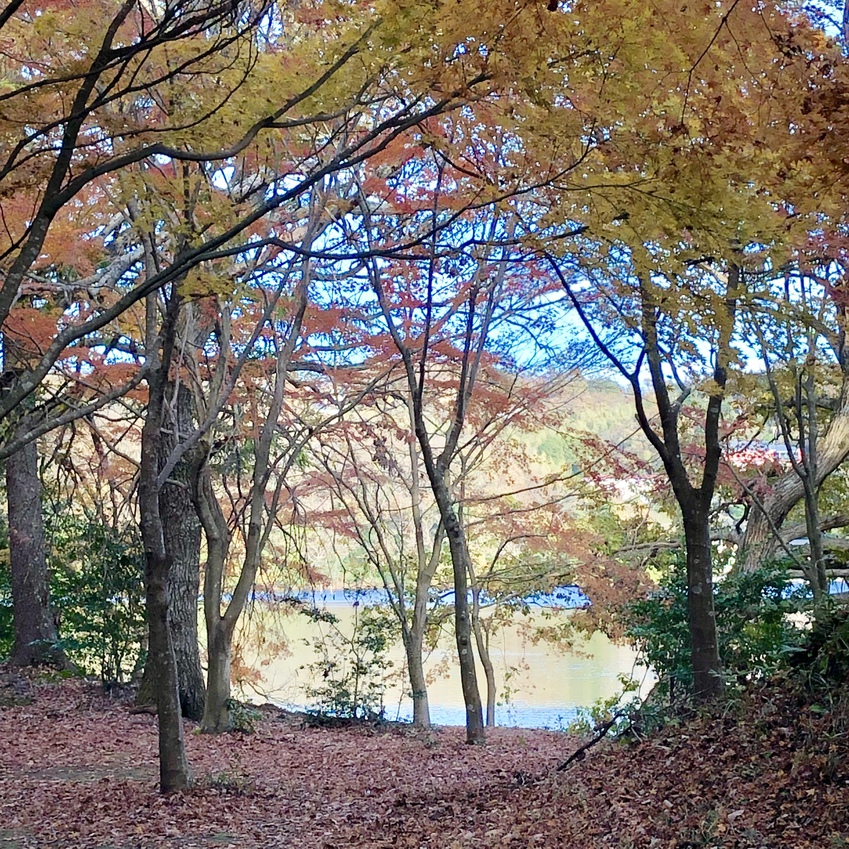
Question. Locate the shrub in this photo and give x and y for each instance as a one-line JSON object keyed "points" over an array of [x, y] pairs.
{"points": [[351, 667], [96, 592], [97, 589], [755, 633], [823, 656]]}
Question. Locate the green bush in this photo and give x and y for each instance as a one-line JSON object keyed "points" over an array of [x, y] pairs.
{"points": [[243, 716], [823, 656], [755, 634], [351, 667], [96, 592], [97, 588]]}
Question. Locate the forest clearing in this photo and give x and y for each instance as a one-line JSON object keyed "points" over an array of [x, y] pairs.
{"points": [[78, 771]]}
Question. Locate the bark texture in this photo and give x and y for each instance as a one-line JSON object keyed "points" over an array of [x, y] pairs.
{"points": [[216, 717], [460, 563], [181, 530], [701, 615], [418, 681], [35, 630], [173, 765], [760, 539]]}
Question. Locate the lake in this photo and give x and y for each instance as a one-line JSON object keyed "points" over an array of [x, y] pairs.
{"points": [[540, 685]]}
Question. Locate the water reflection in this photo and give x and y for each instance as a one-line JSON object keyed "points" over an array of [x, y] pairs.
{"points": [[540, 685]]}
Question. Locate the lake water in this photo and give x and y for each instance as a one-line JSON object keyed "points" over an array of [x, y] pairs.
{"points": [[545, 684]]}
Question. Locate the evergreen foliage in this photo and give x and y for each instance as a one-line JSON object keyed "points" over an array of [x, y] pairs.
{"points": [[97, 589], [756, 634]]}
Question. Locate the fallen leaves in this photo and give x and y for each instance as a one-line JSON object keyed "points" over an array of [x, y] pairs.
{"points": [[78, 770]]}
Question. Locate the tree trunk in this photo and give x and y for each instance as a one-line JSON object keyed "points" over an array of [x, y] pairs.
{"points": [[693, 502], [219, 631], [817, 577], [767, 516], [426, 565], [181, 529], [488, 671], [704, 651], [413, 645], [462, 616], [36, 638], [173, 765], [483, 646], [216, 716]]}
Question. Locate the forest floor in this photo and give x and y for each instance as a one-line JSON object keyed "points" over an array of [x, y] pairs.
{"points": [[78, 769]]}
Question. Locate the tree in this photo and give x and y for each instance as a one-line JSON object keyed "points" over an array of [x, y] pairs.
{"points": [[673, 234], [267, 468], [442, 318], [373, 469], [803, 344], [73, 116], [668, 355], [181, 530], [155, 114], [60, 134], [36, 637], [530, 532], [173, 766]]}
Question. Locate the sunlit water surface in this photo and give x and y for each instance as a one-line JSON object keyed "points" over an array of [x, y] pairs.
{"points": [[540, 685]]}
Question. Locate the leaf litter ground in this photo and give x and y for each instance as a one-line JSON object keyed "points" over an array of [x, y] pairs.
{"points": [[78, 769]]}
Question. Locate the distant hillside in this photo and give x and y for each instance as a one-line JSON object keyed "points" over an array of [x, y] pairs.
{"points": [[602, 408]]}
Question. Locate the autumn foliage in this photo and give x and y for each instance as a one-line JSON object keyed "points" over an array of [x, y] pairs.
{"points": [[332, 269]]}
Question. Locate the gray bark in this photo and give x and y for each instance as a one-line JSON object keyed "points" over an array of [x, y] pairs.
{"points": [[418, 682], [216, 717], [460, 562], [488, 668], [701, 616], [181, 529], [173, 764], [35, 631]]}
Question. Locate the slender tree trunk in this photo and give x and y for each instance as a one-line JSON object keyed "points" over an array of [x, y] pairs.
{"points": [[694, 502], [437, 472], [809, 437], [488, 670], [413, 646], [216, 717], [704, 652], [427, 562], [36, 638], [462, 616], [261, 502], [480, 638], [173, 765], [181, 529], [817, 577]]}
